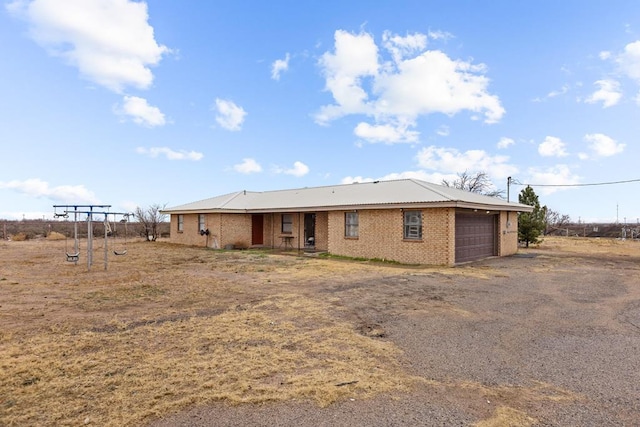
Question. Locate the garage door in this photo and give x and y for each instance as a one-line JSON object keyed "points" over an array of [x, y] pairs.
{"points": [[475, 236]]}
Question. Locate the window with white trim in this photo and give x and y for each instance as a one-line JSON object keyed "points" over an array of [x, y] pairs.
{"points": [[351, 224], [287, 223], [412, 225], [180, 223], [201, 225]]}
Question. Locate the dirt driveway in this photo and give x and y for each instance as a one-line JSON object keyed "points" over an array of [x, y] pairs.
{"points": [[543, 338], [177, 336]]}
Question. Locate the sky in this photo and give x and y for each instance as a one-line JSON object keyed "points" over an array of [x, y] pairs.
{"points": [[133, 104]]}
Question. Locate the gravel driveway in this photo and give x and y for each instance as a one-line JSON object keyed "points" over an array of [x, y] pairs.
{"points": [[540, 339]]}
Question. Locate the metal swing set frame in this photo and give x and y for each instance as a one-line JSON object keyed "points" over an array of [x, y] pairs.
{"points": [[91, 211]]}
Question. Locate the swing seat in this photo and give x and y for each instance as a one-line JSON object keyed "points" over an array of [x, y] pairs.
{"points": [[73, 257], [120, 252]]}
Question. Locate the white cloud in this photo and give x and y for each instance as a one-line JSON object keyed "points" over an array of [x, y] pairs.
{"points": [[299, 169], [452, 161], [229, 115], [435, 178], [279, 66], [443, 130], [604, 55], [602, 145], [556, 175], [413, 82], [26, 215], [248, 166], [554, 93], [608, 93], [440, 35], [61, 194], [629, 60], [401, 47], [434, 83], [109, 41], [505, 142], [552, 147], [386, 133], [139, 110], [170, 154], [355, 57], [355, 179]]}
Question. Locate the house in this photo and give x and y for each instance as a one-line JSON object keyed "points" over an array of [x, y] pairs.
{"points": [[408, 221]]}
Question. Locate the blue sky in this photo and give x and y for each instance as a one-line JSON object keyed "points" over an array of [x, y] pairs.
{"points": [[139, 103]]}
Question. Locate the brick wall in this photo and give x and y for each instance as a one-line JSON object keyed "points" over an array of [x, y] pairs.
{"points": [[322, 231], [508, 234], [296, 234], [381, 236], [235, 229], [191, 234], [268, 227]]}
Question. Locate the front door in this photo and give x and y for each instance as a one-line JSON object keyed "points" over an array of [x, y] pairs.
{"points": [[257, 230], [310, 230]]}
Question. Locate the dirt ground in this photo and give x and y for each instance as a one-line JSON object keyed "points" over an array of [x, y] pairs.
{"points": [[182, 336]]}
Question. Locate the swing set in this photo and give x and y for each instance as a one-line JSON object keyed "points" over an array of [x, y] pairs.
{"points": [[91, 213], [113, 232]]}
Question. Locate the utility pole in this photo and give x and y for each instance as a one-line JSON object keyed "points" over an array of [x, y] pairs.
{"points": [[508, 187]]}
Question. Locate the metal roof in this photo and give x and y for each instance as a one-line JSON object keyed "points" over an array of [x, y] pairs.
{"points": [[377, 194]]}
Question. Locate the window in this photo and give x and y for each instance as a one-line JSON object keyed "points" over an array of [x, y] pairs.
{"points": [[201, 225], [413, 225], [180, 223], [351, 224], [287, 223]]}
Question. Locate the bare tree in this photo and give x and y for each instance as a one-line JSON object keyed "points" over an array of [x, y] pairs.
{"points": [[150, 219], [475, 183], [554, 220]]}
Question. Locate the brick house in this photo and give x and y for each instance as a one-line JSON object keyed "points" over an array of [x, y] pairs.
{"points": [[408, 221]]}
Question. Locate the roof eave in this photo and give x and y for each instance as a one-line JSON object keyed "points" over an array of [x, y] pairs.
{"points": [[345, 207]]}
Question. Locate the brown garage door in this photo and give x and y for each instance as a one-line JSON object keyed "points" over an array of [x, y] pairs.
{"points": [[475, 236]]}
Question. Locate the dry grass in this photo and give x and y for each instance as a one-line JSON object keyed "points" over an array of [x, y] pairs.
{"points": [[166, 328], [285, 347], [590, 245], [505, 416]]}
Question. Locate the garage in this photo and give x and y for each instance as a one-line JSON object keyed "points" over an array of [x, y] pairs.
{"points": [[476, 236]]}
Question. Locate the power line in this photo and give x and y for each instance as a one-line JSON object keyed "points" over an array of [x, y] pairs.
{"points": [[514, 182]]}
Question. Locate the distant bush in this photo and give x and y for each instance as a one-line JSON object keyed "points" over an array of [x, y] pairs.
{"points": [[19, 237], [36, 227], [54, 235]]}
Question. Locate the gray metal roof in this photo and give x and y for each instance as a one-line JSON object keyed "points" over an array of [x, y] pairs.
{"points": [[378, 194]]}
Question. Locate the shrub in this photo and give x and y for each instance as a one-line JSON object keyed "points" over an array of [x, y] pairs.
{"points": [[54, 235]]}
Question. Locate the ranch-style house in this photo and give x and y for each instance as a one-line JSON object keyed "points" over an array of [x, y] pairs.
{"points": [[408, 221]]}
